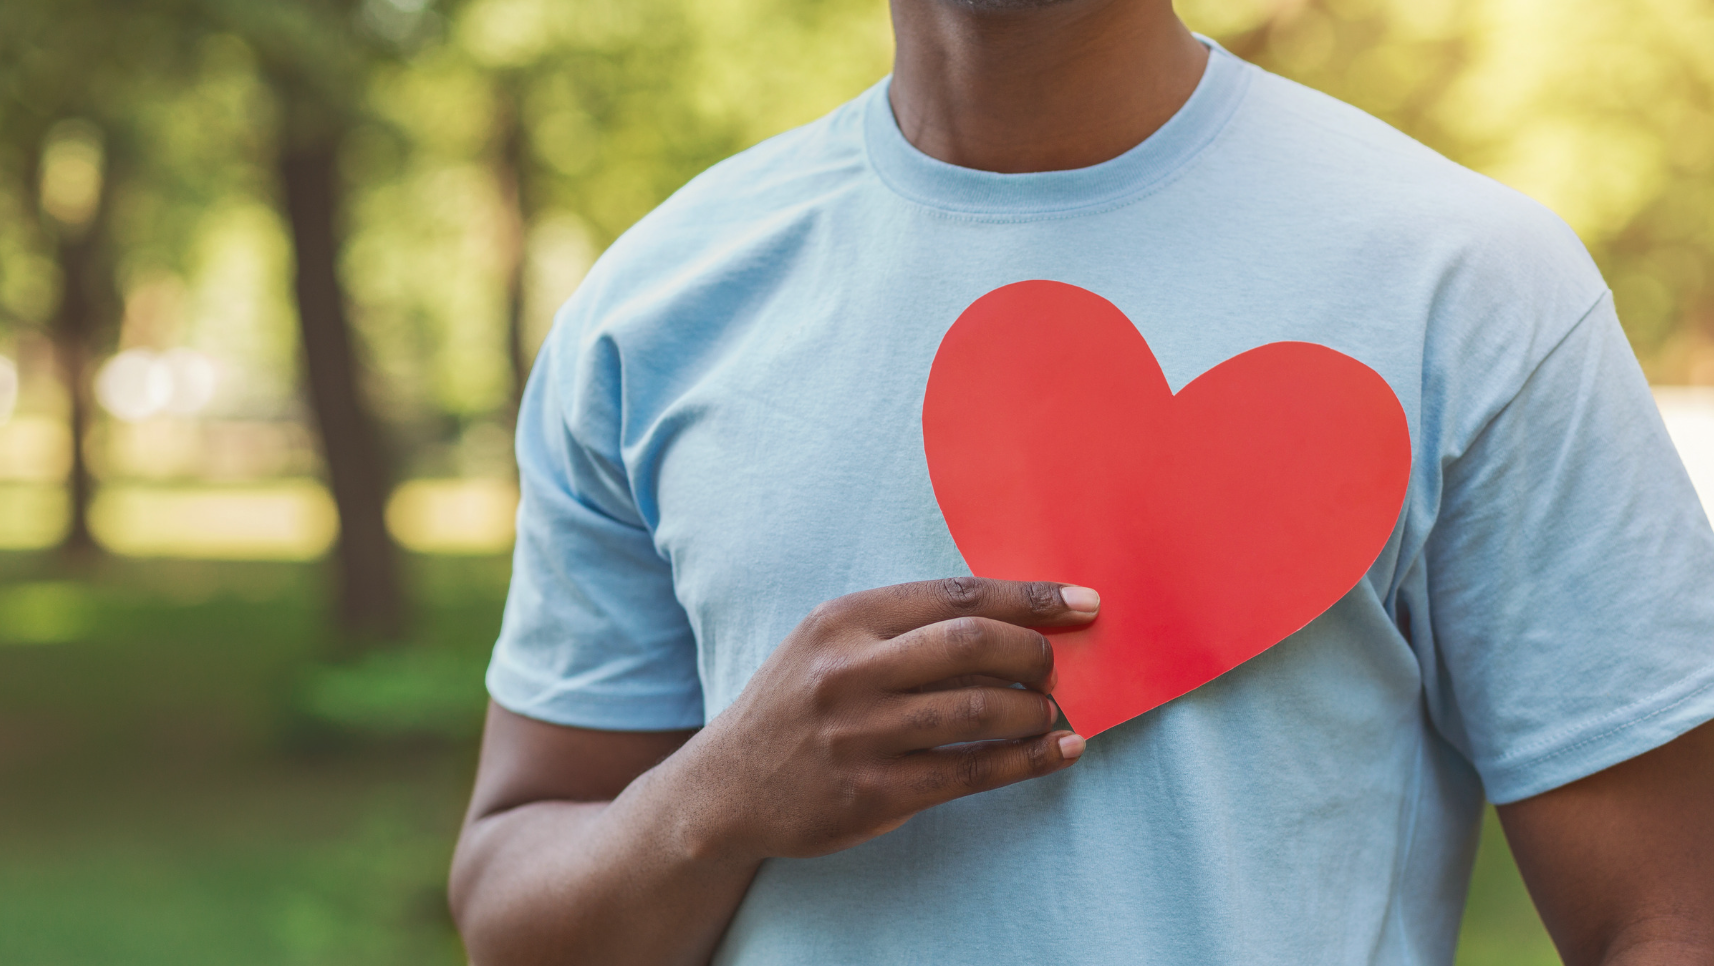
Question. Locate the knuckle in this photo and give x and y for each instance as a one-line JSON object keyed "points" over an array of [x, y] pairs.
{"points": [[865, 790], [1035, 756], [826, 618], [975, 707], [873, 794], [841, 741], [973, 769], [962, 593], [963, 638], [846, 797], [828, 680], [1041, 599]]}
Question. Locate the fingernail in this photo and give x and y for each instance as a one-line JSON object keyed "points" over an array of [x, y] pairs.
{"points": [[1071, 746], [1052, 711], [1052, 681], [1081, 599]]}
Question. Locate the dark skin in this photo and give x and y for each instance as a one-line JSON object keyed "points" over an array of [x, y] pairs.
{"points": [[615, 848], [595, 847], [1020, 86], [1621, 864]]}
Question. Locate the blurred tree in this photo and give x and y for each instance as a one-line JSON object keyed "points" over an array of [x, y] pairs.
{"points": [[568, 84], [68, 87], [73, 194], [602, 108], [513, 179], [444, 171], [1604, 112], [317, 56]]}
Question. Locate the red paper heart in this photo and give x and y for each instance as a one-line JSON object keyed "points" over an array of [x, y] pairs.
{"points": [[1214, 522]]}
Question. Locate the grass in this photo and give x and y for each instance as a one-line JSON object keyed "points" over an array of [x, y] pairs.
{"points": [[340, 863], [192, 771], [1500, 924]]}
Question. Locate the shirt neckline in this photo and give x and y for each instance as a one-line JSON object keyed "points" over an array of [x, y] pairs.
{"points": [[936, 184]]}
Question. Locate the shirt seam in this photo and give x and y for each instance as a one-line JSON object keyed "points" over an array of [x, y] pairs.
{"points": [[1402, 568], [1404, 564], [1524, 757], [1534, 369]]}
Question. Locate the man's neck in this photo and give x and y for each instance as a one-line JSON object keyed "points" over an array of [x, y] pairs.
{"points": [[1028, 85]]}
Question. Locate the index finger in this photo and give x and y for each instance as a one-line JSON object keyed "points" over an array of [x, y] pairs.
{"points": [[891, 611]]}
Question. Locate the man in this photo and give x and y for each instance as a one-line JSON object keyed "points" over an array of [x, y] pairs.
{"points": [[728, 525]]}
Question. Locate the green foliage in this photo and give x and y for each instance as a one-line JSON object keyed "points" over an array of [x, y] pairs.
{"points": [[1604, 112], [157, 717], [1601, 111], [44, 612], [242, 644], [169, 793], [96, 64], [1501, 927], [616, 105], [414, 691], [279, 863]]}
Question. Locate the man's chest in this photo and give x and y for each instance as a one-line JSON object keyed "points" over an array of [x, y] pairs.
{"points": [[792, 469]]}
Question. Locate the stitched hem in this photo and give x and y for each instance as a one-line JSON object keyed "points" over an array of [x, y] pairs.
{"points": [[1521, 775]]}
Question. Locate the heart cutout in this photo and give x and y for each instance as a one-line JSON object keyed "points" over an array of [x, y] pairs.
{"points": [[1214, 522]]}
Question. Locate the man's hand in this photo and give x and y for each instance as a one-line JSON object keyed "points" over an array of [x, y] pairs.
{"points": [[843, 733], [879, 705]]}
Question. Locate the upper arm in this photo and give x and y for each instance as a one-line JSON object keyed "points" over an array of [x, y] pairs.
{"points": [[1621, 863], [1568, 622], [593, 634], [595, 658], [1570, 619], [524, 760]]}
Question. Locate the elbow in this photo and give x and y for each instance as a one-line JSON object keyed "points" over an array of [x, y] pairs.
{"points": [[1658, 940], [472, 916]]}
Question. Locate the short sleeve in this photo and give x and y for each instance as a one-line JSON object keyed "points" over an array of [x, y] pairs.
{"points": [[593, 635], [1570, 577]]}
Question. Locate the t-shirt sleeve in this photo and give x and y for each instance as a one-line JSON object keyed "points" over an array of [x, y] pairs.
{"points": [[593, 635], [1570, 576]]}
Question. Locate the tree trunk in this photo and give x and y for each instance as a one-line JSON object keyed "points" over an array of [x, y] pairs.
{"points": [[370, 599], [88, 300], [509, 177], [74, 325]]}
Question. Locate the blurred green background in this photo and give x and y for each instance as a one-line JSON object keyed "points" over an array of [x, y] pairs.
{"points": [[271, 275]]}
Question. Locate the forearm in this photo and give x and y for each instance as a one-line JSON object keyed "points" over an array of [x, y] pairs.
{"points": [[846, 731], [627, 881]]}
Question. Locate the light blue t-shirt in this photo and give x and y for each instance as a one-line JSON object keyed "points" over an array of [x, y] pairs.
{"points": [[724, 430]]}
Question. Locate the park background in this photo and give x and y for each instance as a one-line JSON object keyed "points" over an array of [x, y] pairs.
{"points": [[271, 275]]}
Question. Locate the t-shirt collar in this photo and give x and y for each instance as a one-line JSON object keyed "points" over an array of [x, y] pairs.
{"points": [[937, 184]]}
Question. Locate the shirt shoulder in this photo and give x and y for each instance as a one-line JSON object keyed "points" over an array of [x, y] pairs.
{"points": [[765, 191], [1371, 177], [722, 241], [1493, 277]]}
